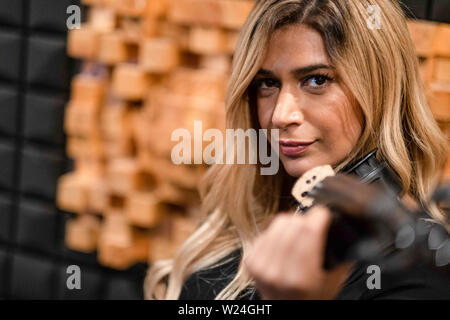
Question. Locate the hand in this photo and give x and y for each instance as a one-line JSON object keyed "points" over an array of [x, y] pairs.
{"points": [[286, 260]]}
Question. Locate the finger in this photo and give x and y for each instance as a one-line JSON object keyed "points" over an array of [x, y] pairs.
{"points": [[288, 241], [270, 250], [271, 246], [319, 217], [260, 254]]}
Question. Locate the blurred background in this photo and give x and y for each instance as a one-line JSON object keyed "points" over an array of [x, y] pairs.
{"points": [[86, 114]]}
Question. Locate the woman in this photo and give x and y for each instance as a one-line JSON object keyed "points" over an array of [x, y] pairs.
{"points": [[336, 88]]}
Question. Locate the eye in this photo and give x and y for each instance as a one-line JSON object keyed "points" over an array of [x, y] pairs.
{"points": [[317, 81], [266, 83], [266, 86]]}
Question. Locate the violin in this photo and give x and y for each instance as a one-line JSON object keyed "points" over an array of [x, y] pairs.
{"points": [[369, 221]]}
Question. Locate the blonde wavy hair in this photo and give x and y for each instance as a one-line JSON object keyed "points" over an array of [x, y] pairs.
{"points": [[378, 66]]}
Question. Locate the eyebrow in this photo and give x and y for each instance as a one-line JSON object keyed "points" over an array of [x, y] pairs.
{"points": [[297, 71]]}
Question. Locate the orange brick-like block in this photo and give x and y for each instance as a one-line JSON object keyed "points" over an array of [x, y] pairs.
{"points": [[206, 83], [120, 246], [205, 12], [439, 101], [71, 194], [179, 33], [226, 13], [220, 62], [234, 13], [441, 41], [165, 170], [83, 43], [143, 209], [82, 233], [130, 82], [139, 128], [81, 147], [130, 7], [98, 195], [89, 90], [102, 19], [113, 48], [115, 121], [135, 8], [159, 55], [207, 40], [439, 69], [124, 176], [80, 121], [168, 193], [118, 148], [422, 33]]}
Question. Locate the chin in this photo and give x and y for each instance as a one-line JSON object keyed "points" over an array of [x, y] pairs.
{"points": [[296, 167]]}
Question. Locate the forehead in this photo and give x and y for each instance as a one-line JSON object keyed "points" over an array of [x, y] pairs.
{"points": [[293, 46]]}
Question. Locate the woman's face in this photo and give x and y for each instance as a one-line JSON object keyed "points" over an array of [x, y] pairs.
{"points": [[299, 93]]}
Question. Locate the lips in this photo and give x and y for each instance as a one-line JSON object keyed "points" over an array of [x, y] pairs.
{"points": [[292, 148], [294, 143]]}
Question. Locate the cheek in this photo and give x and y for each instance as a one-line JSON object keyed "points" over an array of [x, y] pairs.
{"points": [[264, 113], [340, 126]]}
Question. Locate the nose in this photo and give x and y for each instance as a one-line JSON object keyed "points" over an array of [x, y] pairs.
{"points": [[287, 110]]}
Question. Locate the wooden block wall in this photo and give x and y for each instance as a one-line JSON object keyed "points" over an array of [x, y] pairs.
{"points": [[151, 66]]}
